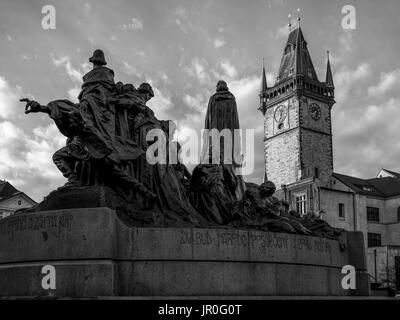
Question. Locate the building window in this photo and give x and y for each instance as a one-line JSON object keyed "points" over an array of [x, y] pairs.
{"points": [[316, 172], [341, 211], [398, 214], [374, 240], [301, 204], [372, 214]]}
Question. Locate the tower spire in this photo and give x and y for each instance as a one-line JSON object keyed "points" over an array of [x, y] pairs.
{"points": [[298, 48], [296, 59], [264, 86], [263, 89], [329, 78]]}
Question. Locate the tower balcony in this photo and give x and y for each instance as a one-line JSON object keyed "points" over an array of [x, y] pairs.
{"points": [[296, 85]]}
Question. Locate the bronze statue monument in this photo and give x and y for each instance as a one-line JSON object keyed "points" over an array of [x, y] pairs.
{"points": [[107, 140], [127, 223]]}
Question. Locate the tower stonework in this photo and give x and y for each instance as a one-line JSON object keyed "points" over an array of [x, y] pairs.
{"points": [[297, 122]]}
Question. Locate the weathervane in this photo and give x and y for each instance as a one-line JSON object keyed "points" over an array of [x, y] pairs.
{"points": [[298, 17]]}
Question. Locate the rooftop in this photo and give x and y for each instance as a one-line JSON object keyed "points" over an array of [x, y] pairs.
{"points": [[7, 190], [378, 187]]}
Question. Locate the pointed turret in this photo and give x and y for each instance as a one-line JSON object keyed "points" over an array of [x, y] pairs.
{"points": [[265, 176], [264, 86], [263, 89], [329, 78]]}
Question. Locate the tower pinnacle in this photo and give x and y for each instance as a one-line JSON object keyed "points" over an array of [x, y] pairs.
{"points": [[329, 78], [264, 86]]}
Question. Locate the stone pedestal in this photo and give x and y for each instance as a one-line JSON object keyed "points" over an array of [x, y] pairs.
{"points": [[95, 254]]}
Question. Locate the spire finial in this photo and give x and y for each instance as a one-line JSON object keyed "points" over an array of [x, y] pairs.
{"points": [[327, 54], [263, 62], [298, 17], [290, 21]]}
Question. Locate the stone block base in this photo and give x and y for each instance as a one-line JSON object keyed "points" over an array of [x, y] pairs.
{"points": [[95, 254]]}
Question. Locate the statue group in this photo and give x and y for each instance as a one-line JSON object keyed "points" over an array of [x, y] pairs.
{"points": [[107, 141]]}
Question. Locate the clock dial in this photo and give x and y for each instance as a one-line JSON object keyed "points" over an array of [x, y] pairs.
{"points": [[280, 113], [315, 111]]}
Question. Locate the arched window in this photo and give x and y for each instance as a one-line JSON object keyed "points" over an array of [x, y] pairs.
{"points": [[398, 214]]}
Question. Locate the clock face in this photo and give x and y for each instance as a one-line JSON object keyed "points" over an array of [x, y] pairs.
{"points": [[280, 113], [315, 111]]}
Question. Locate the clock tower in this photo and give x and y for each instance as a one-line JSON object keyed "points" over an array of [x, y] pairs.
{"points": [[297, 123]]}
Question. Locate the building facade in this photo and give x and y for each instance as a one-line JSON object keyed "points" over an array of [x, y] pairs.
{"points": [[299, 158], [12, 199]]}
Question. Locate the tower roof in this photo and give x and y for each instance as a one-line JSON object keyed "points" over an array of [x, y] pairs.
{"points": [[296, 60]]}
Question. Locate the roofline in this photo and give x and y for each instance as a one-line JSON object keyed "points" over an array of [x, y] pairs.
{"points": [[23, 193], [382, 197], [335, 175], [390, 172], [16, 194]]}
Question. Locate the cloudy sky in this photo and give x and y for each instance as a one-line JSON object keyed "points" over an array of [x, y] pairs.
{"points": [[183, 48]]}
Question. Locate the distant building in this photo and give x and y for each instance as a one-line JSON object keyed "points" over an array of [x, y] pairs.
{"points": [[12, 199], [299, 160]]}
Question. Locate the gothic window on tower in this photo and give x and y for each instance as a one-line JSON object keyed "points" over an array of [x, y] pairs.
{"points": [[301, 203], [316, 172]]}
